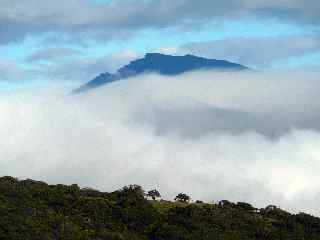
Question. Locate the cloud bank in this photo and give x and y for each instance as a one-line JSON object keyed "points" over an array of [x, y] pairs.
{"points": [[251, 137]]}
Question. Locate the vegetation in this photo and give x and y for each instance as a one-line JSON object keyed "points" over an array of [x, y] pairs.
{"points": [[34, 210], [182, 197], [153, 194]]}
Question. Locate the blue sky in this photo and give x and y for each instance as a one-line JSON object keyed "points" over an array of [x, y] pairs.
{"points": [[86, 38]]}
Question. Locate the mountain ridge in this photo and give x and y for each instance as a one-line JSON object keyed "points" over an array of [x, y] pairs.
{"points": [[167, 65]]}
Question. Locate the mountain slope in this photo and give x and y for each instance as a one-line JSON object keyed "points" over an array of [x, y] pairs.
{"points": [[162, 64], [34, 210]]}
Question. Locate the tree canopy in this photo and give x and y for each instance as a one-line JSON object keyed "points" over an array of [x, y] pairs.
{"points": [[33, 210], [182, 197], [153, 194]]}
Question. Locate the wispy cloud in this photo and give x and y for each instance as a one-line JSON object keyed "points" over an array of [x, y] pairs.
{"points": [[53, 54], [13, 72], [74, 66], [256, 51]]}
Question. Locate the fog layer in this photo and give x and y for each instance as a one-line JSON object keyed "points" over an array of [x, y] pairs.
{"points": [[240, 136]]}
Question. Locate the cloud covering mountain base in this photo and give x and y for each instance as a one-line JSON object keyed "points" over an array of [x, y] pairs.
{"points": [[240, 136]]}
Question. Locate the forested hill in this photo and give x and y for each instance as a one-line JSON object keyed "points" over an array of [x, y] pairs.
{"points": [[34, 210]]}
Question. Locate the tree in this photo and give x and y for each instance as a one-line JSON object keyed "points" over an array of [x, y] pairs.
{"points": [[153, 194], [245, 206], [226, 203], [131, 192], [181, 197]]}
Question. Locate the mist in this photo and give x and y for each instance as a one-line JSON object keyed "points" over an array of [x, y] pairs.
{"points": [[251, 137]]}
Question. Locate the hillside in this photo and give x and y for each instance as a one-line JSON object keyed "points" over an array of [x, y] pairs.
{"points": [[166, 65], [35, 210]]}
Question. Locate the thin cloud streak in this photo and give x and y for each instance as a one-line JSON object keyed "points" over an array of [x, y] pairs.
{"points": [[258, 52]]}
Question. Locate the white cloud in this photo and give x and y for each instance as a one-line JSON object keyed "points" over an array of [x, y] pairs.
{"points": [[150, 130]]}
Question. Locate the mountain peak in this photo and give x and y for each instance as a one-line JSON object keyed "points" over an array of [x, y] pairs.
{"points": [[163, 64], [152, 55], [162, 55]]}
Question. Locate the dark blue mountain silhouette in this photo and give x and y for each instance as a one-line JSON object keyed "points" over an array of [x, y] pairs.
{"points": [[162, 64]]}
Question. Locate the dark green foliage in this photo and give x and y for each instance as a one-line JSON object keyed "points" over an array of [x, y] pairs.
{"points": [[34, 210], [153, 194], [182, 197], [245, 206]]}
